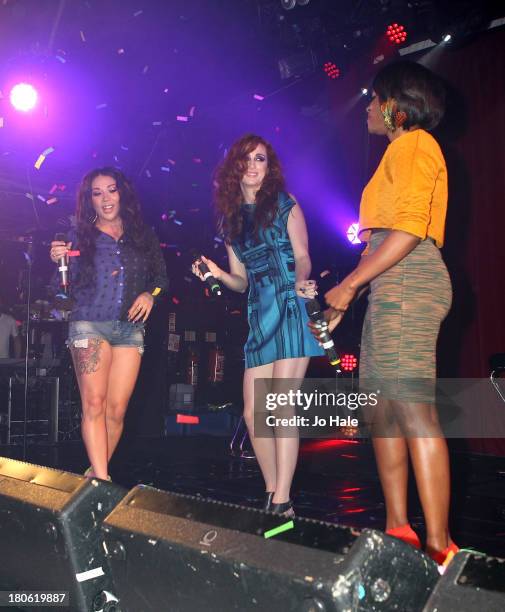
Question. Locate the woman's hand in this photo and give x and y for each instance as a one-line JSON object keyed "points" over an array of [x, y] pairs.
{"points": [[306, 289], [58, 250], [332, 318], [141, 308], [341, 296], [214, 269]]}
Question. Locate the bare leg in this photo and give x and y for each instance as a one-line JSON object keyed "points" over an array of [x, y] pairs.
{"points": [[430, 461], [287, 442], [123, 374], [92, 365], [391, 454], [264, 447]]}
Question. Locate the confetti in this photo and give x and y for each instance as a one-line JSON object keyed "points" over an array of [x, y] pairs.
{"points": [[324, 273], [52, 201], [61, 59], [192, 111], [171, 161], [40, 160], [164, 217], [165, 168], [182, 118], [83, 38], [280, 529], [145, 69], [175, 300], [138, 13], [165, 90], [124, 148], [258, 97], [99, 106], [177, 222], [29, 196], [156, 122], [53, 188], [41, 198], [148, 174], [1, 122], [120, 51], [197, 160], [217, 239]]}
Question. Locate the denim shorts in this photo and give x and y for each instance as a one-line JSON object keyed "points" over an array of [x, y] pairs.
{"points": [[116, 333]]}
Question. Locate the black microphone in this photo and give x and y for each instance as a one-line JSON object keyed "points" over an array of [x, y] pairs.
{"points": [[63, 265], [215, 287], [317, 317]]}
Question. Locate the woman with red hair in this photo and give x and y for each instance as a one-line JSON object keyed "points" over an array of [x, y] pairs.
{"points": [[267, 245]]}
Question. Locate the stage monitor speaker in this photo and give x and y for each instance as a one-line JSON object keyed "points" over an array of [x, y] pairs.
{"points": [[50, 533], [472, 582], [177, 553]]}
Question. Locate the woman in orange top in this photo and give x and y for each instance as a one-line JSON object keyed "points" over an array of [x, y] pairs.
{"points": [[402, 218]]}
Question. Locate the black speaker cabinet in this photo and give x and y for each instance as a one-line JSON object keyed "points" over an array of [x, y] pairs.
{"points": [[172, 552], [50, 533], [472, 582]]}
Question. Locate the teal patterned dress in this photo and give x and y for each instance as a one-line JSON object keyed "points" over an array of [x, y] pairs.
{"points": [[277, 317]]}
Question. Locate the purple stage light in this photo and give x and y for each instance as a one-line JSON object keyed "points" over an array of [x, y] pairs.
{"points": [[23, 97], [352, 233]]}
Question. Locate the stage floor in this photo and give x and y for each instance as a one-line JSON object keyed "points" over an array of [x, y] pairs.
{"points": [[336, 480]]}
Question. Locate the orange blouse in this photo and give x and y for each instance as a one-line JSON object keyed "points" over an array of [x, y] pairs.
{"points": [[408, 191]]}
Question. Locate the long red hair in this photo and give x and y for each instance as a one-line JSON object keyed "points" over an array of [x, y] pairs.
{"points": [[228, 195]]}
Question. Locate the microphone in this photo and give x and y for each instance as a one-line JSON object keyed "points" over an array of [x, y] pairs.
{"points": [[63, 265], [316, 316], [215, 287]]}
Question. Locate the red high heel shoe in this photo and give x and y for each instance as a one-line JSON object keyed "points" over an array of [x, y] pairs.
{"points": [[405, 533], [444, 557]]}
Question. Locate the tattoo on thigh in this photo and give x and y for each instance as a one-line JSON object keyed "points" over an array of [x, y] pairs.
{"points": [[87, 359]]}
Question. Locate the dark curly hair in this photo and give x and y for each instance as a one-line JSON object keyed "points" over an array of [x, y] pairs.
{"points": [[133, 225], [418, 92], [228, 195]]}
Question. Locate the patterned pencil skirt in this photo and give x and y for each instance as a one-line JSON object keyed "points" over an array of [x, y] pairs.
{"points": [[406, 306]]}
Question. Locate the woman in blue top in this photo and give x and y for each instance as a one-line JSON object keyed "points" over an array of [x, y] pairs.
{"points": [[267, 246], [113, 283]]}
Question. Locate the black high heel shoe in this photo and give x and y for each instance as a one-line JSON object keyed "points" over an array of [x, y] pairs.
{"points": [[286, 509], [268, 500]]}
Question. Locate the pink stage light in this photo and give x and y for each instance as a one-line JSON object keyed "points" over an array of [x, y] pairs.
{"points": [[23, 97]]}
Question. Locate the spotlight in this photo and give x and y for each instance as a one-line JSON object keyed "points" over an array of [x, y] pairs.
{"points": [[331, 70], [23, 97], [287, 5], [352, 233], [364, 91], [348, 362], [446, 38], [396, 33]]}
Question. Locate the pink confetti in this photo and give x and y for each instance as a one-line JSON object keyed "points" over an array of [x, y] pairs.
{"points": [[165, 168], [182, 118], [1, 122], [41, 198], [197, 160], [83, 38], [258, 97], [120, 51], [52, 201], [171, 161], [192, 111], [175, 300], [53, 188]]}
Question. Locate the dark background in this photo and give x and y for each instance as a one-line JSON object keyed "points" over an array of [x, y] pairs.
{"points": [[113, 77]]}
